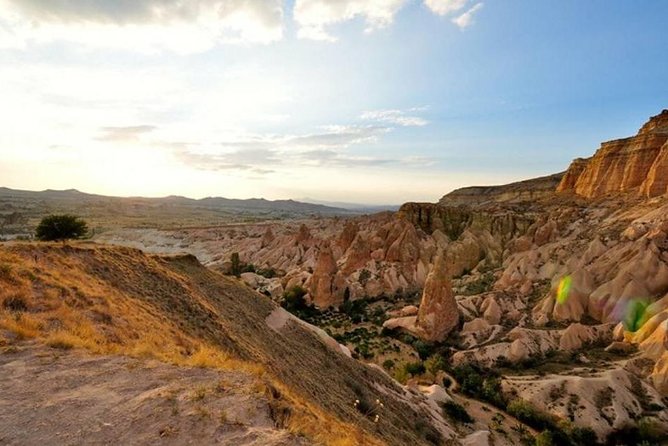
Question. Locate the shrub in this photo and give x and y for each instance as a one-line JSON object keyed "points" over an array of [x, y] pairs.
{"points": [[356, 310], [388, 364], [401, 375], [61, 227], [457, 412], [584, 436], [527, 413], [414, 368], [293, 299], [423, 349], [544, 439], [434, 364]]}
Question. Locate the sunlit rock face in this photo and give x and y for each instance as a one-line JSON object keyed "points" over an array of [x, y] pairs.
{"points": [[637, 164], [438, 314], [327, 287]]}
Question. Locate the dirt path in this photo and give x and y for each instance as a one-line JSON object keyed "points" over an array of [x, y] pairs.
{"points": [[56, 397]]}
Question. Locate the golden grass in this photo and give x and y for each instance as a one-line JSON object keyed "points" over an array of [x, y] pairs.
{"points": [[64, 300]]}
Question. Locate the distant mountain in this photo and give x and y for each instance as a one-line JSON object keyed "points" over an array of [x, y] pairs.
{"points": [[20, 210], [357, 207]]}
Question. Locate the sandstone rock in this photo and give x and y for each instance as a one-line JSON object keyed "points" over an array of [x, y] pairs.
{"points": [[327, 288], [438, 314], [347, 236], [492, 310], [407, 323], [631, 164], [253, 280], [409, 310], [478, 438], [303, 235], [267, 238], [620, 347]]}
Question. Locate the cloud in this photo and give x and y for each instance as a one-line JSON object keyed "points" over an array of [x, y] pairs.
{"points": [[465, 20], [195, 25], [118, 134], [333, 158], [315, 16], [262, 154], [396, 117], [444, 7]]}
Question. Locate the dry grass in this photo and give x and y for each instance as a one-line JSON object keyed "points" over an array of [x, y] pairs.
{"points": [[119, 301]]}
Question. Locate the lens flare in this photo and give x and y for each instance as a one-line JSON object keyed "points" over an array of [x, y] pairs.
{"points": [[564, 289], [635, 315]]}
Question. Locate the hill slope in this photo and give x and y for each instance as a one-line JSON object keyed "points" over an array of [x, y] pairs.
{"points": [[113, 300]]}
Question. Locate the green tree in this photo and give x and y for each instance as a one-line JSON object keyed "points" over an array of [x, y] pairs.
{"points": [[61, 227], [235, 269]]}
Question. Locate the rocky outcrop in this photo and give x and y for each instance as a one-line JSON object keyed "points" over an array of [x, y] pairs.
{"points": [[327, 287], [528, 190], [638, 165], [438, 314]]}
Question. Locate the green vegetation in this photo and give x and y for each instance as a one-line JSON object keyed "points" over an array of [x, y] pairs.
{"points": [[235, 269], [388, 364], [456, 412], [483, 284], [485, 386], [646, 432], [295, 303], [61, 227], [435, 363]]}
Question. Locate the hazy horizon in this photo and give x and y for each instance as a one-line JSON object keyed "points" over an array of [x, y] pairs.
{"points": [[369, 102]]}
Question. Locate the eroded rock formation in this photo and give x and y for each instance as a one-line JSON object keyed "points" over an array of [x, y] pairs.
{"points": [[438, 314], [637, 164]]}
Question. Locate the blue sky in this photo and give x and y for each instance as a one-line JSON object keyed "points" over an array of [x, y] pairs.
{"points": [[380, 101]]}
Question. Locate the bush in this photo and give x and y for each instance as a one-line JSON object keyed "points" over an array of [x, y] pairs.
{"points": [[388, 364], [423, 349], [544, 439], [526, 413], [457, 412], [584, 436], [293, 299], [61, 227], [414, 368], [435, 363]]}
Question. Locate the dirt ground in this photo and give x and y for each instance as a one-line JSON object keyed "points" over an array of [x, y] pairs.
{"points": [[68, 397]]}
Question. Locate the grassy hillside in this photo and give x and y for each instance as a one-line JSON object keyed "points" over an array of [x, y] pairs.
{"points": [[121, 301]]}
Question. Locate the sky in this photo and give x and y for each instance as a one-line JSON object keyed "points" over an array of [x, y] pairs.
{"points": [[365, 101]]}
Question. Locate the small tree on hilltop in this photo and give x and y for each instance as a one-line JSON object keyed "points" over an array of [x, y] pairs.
{"points": [[61, 227]]}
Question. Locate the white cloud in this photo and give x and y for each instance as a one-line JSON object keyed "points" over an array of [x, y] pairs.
{"points": [[443, 7], [315, 16], [144, 25], [465, 20], [396, 117]]}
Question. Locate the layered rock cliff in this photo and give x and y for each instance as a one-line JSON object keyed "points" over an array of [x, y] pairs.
{"points": [[520, 191], [637, 165]]}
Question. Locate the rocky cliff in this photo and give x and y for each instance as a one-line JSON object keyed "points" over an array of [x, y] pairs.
{"points": [[638, 165], [527, 190]]}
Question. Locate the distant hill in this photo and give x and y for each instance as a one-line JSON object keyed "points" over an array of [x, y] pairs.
{"points": [[356, 207], [20, 210]]}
